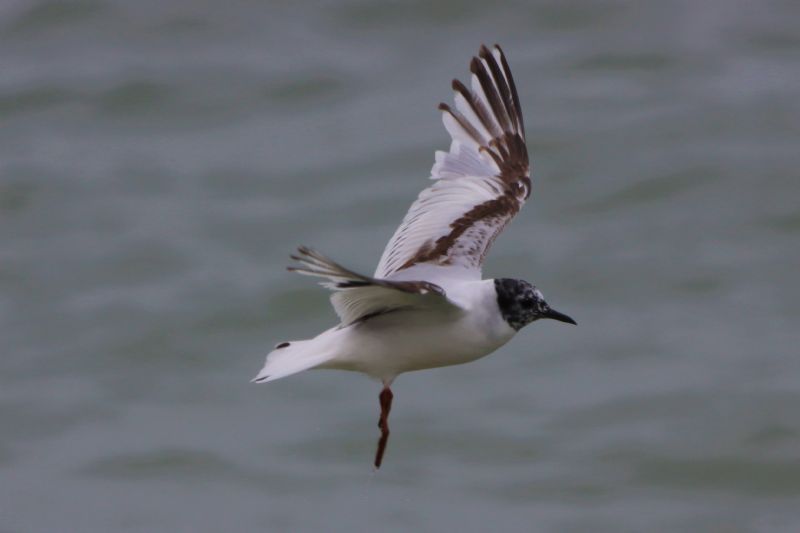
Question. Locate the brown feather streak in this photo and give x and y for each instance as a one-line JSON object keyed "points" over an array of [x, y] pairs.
{"points": [[477, 107], [463, 122], [505, 206], [513, 87], [502, 85], [498, 109]]}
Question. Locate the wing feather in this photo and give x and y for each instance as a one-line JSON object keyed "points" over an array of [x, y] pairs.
{"points": [[481, 182], [358, 298]]}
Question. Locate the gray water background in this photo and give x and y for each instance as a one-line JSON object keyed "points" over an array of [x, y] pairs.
{"points": [[160, 160]]}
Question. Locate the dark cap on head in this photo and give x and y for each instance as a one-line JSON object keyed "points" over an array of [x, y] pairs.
{"points": [[521, 303]]}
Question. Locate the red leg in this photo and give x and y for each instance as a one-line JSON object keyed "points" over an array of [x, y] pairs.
{"points": [[383, 423]]}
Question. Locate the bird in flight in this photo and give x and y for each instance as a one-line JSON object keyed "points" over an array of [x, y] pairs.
{"points": [[426, 305]]}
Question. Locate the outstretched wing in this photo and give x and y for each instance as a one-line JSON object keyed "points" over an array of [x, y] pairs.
{"points": [[481, 183], [358, 298]]}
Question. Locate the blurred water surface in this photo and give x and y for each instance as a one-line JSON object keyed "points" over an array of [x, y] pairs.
{"points": [[160, 160]]}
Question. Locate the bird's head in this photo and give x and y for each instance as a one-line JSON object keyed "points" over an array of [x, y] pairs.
{"points": [[521, 303]]}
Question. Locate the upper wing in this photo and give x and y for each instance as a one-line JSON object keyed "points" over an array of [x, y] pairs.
{"points": [[481, 182], [358, 298]]}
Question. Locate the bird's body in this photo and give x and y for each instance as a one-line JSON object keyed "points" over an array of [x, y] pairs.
{"points": [[407, 340], [390, 343], [426, 306]]}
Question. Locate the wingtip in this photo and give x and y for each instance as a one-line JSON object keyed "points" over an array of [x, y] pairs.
{"points": [[473, 65]]}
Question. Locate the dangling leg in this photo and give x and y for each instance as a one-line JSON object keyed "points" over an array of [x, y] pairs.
{"points": [[383, 423]]}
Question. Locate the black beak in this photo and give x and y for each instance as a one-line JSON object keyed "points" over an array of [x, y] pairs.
{"points": [[561, 317]]}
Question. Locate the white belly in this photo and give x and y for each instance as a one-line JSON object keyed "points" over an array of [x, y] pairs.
{"points": [[399, 342]]}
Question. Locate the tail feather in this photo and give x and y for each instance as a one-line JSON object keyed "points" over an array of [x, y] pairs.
{"points": [[295, 356]]}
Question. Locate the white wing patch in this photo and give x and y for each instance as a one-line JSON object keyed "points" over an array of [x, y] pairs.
{"points": [[463, 160], [481, 183]]}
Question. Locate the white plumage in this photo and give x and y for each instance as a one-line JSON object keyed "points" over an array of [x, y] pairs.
{"points": [[426, 305]]}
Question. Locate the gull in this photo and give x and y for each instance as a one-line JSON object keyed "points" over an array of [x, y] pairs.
{"points": [[426, 305]]}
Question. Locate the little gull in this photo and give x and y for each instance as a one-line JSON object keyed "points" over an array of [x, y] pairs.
{"points": [[426, 305]]}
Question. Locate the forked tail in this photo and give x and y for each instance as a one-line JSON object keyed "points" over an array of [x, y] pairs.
{"points": [[292, 357]]}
